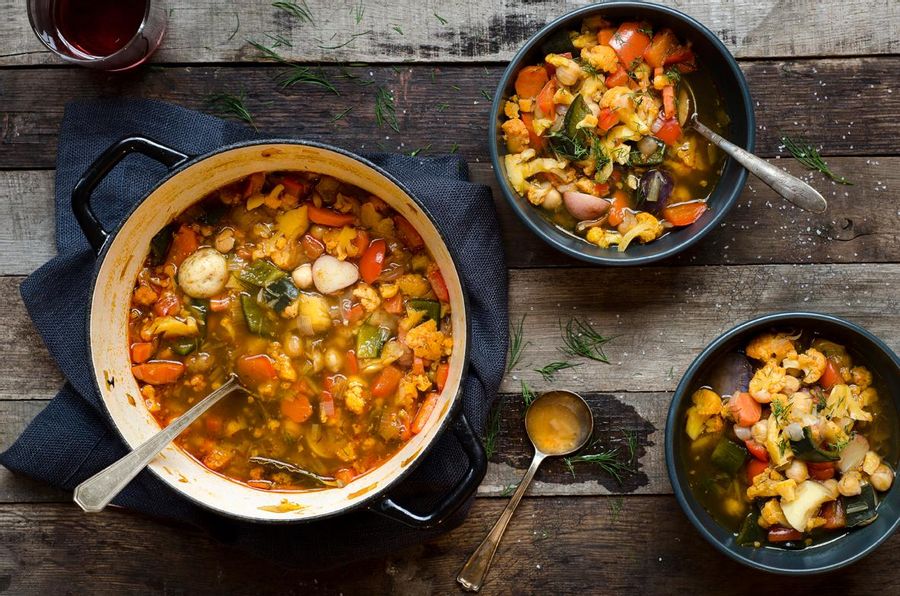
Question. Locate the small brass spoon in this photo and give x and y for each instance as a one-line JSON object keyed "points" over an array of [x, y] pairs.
{"points": [[96, 492], [544, 422]]}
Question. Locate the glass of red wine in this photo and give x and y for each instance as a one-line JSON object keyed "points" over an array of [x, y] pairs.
{"points": [[104, 34]]}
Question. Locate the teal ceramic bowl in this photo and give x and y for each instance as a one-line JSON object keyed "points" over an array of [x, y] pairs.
{"points": [[713, 56], [841, 551]]}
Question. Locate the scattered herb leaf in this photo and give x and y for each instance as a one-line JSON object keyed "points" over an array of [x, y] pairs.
{"points": [[441, 19], [397, 29], [516, 344], [493, 429], [301, 11], [229, 105], [358, 11], [454, 148], [605, 459], [346, 43], [384, 109], [486, 95], [442, 106], [549, 371], [303, 74], [527, 394], [809, 157], [581, 339], [415, 152], [615, 508], [342, 114], [236, 26], [508, 490]]}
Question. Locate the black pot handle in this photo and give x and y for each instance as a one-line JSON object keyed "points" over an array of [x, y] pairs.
{"points": [[102, 166], [471, 444]]}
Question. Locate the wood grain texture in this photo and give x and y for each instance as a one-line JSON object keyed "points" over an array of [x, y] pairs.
{"points": [[412, 30], [639, 545], [861, 225], [845, 106]]}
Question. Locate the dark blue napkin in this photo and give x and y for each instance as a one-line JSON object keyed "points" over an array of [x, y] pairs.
{"points": [[72, 438]]}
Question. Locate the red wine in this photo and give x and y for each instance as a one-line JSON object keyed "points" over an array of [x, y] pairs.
{"points": [[99, 27]]}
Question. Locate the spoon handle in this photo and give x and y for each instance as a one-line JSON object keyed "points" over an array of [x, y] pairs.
{"points": [[96, 492], [473, 573], [788, 186]]}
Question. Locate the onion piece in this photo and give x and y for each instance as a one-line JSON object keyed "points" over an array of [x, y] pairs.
{"points": [[647, 146], [583, 206], [794, 431], [742, 432], [655, 188], [853, 454]]}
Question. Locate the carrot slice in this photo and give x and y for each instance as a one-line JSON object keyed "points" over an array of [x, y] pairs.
{"points": [[746, 410], [441, 375], [606, 120], [618, 78], [424, 412], [619, 206], [387, 381], [256, 369], [297, 408], [141, 352], [684, 214], [158, 372], [327, 217], [530, 81], [664, 43]]}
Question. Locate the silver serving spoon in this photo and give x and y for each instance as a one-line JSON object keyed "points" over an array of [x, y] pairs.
{"points": [[549, 439], [788, 186], [96, 492]]}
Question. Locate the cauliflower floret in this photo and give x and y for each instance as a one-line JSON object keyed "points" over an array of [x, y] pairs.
{"points": [[537, 192], [356, 395], [563, 97], [585, 40], [772, 484], [601, 57], [426, 341], [521, 166], [861, 377], [414, 285], [282, 363], [637, 110], [516, 134], [771, 347], [614, 145], [593, 89], [589, 121], [368, 297], [603, 238], [771, 514], [767, 381], [812, 363], [646, 229], [511, 109], [388, 290], [568, 72], [540, 125]]}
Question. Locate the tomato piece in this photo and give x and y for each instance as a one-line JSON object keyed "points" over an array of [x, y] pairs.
{"points": [[782, 534], [184, 243], [678, 55], [441, 375], [351, 363], [620, 205], [424, 413], [167, 304], [606, 120], [372, 261], [408, 233], [437, 284], [668, 94], [530, 81], [601, 189], [684, 214], [158, 372], [294, 187], [256, 370], [757, 450], [820, 470], [605, 35], [297, 408], [831, 376], [536, 141], [545, 99], [312, 246], [664, 43], [394, 304], [345, 475], [141, 352], [329, 217], [835, 514], [755, 468], [629, 42], [387, 381], [361, 242], [618, 78], [667, 131]]}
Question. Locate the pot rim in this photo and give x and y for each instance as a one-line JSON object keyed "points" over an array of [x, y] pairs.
{"points": [[683, 494], [454, 410], [555, 238]]}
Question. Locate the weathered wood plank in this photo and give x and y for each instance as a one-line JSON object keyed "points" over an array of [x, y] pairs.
{"points": [[661, 317], [862, 224], [386, 31], [846, 105], [555, 545]]}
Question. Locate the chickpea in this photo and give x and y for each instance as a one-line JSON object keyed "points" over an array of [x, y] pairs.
{"points": [[797, 471], [791, 384], [552, 201], [849, 484], [760, 431], [225, 240], [333, 360], [199, 363], [882, 478], [302, 276], [293, 345]]}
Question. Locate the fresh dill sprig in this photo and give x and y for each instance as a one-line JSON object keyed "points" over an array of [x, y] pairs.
{"points": [[346, 43], [606, 459], [486, 95], [455, 87], [528, 395], [229, 105], [356, 79], [358, 11], [508, 490], [236, 26], [549, 371], [631, 441], [433, 75], [397, 29], [492, 430], [780, 409], [581, 339], [279, 40], [342, 114], [441, 19], [442, 106], [303, 74], [268, 52], [415, 152], [809, 157], [384, 109], [516, 344], [301, 11], [454, 148]]}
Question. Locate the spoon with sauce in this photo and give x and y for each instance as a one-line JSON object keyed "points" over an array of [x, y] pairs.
{"points": [[558, 423]]}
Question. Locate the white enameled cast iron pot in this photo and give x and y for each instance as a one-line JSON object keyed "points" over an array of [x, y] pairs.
{"points": [[121, 255]]}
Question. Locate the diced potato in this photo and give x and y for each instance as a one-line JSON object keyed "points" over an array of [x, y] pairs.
{"points": [[810, 496]]}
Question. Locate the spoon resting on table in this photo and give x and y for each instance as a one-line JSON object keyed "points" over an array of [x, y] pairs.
{"points": [[95, 493], [787, 185], [557, 423]]}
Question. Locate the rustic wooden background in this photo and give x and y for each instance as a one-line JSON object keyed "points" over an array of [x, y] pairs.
{"points": [[823, 70]]}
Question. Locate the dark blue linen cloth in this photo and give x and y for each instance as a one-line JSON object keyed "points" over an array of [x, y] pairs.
{"points": [[72, 438]]}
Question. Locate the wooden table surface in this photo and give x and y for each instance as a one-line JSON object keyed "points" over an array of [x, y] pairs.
{"points": [[820, 69]]}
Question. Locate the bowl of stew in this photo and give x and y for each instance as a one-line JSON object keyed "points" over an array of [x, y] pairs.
{"points": [[782, 443], [319, 281], [590, 138]]}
